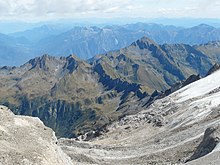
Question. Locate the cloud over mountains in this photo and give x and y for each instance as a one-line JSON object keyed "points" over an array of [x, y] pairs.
{"points": [[41, 9]]}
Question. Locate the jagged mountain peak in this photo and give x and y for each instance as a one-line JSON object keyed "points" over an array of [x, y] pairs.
{"points": [[212, 43], [45, 62], [73, 57], [79, 29], [146, 58], [7, 67], [147, 40], [42, 58], [213, 69], [145, 43], [72, 62], [202, 28], [54, 65], [203, 25], [47, 27]]}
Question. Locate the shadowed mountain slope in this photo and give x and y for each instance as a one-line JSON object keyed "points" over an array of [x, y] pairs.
{"points": [[155, 66]]}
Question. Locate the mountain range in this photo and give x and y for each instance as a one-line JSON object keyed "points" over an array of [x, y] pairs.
{"points": [[120, 94], [86, 42], [73, 96], [182, 128]]}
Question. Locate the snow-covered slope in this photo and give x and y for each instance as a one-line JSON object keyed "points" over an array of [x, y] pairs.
{"points": [[199, 88], [200, 98], [170, 131]]}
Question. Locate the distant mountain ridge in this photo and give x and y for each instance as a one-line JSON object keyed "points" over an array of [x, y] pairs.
{"points": [[87, 42]]}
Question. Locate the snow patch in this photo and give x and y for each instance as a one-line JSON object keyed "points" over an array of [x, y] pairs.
{"points": [[199, 88], [116, 41], [217, 148]]}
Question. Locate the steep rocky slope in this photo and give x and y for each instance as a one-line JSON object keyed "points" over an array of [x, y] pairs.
{"points": [[211, 49], [25, 140], [183, 127], [157, 67]]}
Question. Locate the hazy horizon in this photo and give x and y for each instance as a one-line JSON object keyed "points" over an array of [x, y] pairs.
{"points": [[12, 26], [22, 15]]}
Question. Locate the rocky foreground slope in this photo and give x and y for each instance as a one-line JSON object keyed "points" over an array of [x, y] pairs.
{"points": [[181, 128], [26, 141]]}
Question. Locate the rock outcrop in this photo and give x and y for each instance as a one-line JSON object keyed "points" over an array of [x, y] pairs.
{"points": [[26, 141], [213, 69], [210, 140]]}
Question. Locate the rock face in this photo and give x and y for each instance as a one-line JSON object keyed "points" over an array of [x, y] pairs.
{"points": [[156, 67], [213, 69], [148, 100], [26, 141], [210, 140]]}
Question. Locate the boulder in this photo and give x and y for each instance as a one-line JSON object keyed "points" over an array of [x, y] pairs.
{"points": [[210, 140]]}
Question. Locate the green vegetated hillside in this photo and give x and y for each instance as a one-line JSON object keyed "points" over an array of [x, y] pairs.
{"points": [[74, 96]]}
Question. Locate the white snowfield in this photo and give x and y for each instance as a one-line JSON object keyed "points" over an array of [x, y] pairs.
{"points": [[199, 88], [201, 96]]}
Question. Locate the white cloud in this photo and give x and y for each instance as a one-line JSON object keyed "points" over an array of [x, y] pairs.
{"points": [[48, 9], [60, 8]]}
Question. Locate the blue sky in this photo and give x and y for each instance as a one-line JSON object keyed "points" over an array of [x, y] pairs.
{"points": [[56, 9]]}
